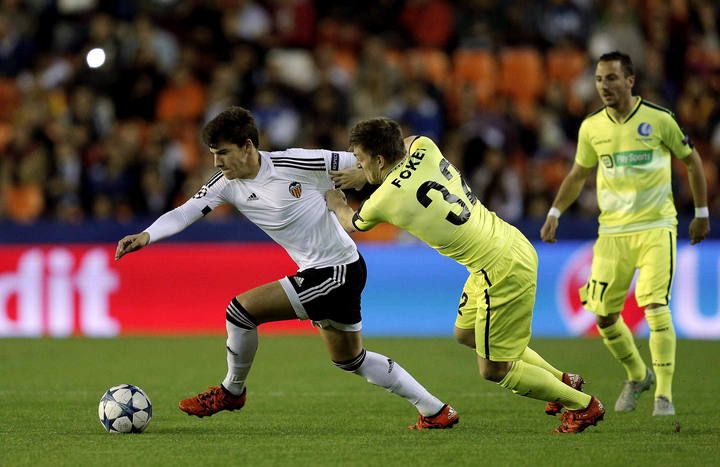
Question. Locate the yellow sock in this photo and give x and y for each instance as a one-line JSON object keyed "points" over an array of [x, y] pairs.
{"points": [[535, 382], [662, 349], [534, 358], [619, 340]]}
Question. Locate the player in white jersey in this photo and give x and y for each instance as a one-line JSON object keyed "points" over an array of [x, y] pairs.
{"points": [[283, 193]]}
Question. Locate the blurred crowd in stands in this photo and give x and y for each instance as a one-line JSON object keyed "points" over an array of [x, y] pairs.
{"points": [[502, 85]]}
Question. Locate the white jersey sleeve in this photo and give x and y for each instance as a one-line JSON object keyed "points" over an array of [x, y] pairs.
{"points": [[314, 165], [205, 200]]}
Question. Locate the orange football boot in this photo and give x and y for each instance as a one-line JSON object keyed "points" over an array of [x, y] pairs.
{"points": [[212, 401], [446, 418], [575, 421]]}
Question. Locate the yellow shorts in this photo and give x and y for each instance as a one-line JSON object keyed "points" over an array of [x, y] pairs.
{"points": [[498, 303], [615, 258]]}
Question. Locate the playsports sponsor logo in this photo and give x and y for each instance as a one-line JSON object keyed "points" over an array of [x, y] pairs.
{"points": [[632, 158]]}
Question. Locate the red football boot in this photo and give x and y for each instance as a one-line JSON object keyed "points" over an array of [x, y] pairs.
{"points": [[446, 418], [212, 401], [575, 421]]}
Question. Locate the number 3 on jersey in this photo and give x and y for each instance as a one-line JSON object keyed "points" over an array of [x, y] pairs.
{"points": [[425, 200]]}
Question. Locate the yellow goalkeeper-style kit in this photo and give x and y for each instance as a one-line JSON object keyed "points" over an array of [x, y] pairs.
{"points": [[638, 217], [426, 196]]}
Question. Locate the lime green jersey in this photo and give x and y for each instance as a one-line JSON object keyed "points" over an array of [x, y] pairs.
{"points": [[633, 178], [426, 196]]}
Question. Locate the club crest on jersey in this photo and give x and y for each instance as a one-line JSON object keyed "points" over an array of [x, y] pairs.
{"points": [[644, 129], [295, 189]]}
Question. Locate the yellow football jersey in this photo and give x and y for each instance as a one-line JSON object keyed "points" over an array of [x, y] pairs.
{"points": [[426, 196], [634, 177]]}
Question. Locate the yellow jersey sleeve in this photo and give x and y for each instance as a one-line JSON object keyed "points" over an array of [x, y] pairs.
{"points": [[368, 219], [674, 138], [585, 154]]}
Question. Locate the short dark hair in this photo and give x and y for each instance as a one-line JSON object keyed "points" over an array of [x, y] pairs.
{"points": [[379, 136], [624, 59], [233, 125]]}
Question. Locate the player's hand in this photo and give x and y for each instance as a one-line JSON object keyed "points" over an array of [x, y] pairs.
{"points": [[699, 228], [354, 177], [131, 243], [547, 232], [335, 199]]}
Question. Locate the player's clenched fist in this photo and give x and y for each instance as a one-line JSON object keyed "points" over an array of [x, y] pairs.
{"points": [[547, 232], [335, 199], [131, 243], [699, 229]]}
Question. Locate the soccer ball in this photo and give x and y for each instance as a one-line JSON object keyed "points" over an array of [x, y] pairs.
{"points": [[125, 409]]}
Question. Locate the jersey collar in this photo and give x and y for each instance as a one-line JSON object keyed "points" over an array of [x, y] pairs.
{"points": [[265, 164], [630, 115]]}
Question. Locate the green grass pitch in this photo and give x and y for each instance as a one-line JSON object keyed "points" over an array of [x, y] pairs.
{"points": [[303, 411]]}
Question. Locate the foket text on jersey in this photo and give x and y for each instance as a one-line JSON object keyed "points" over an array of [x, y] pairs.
{"points": [[410, 166]]}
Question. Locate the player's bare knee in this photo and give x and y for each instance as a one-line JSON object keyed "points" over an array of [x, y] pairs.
{"points": [[494, 371], [607, 321], [465, 337], [492, 374]]}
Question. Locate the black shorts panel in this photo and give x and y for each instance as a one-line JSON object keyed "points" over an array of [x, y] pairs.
{"points": [[332, 292]]}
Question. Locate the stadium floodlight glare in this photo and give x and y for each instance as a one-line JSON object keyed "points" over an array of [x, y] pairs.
{"points": [[95, 58]]}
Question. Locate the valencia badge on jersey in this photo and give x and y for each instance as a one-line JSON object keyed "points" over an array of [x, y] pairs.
{"points": [[295, 189]]}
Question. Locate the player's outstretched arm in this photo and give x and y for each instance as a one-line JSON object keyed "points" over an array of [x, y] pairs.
{"points": [[337, 203], [131, 243], [164, 226], [567, 194], [700, 225], [352, 177]]}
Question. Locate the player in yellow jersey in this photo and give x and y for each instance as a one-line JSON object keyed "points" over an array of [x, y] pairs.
{"points": [[631, 141], [421, 192]]}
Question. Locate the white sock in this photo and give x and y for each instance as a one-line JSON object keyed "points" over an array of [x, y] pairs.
{"points": [[242, 344], [386, 373]]}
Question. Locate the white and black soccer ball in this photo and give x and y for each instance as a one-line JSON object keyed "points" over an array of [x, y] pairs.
{"points": [[125, 409]]}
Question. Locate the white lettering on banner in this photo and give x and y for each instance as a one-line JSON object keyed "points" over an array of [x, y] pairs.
{"points": [[96, 282], [685, 305], [60, 293], [47, 298], [26, 284]]}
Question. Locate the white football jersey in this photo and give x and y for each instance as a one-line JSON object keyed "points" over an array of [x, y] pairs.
{"points": [[286, 200]]}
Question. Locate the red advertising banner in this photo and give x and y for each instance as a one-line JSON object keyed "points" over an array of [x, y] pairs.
{"points": [[82, 290], [172, 288]]}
